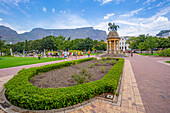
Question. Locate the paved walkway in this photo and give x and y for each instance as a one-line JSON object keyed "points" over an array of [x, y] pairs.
{"points": [[153, 79], [131, 99]]}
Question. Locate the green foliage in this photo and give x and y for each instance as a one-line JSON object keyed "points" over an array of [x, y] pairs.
{"points": [[103, 69], [102, 62], [79, 78], [96, 64], [167, 61], [142, 42], [113, 62], [104, 58], [165, 52], [108, 62], [20, 92], [90, 65], [84, 77]]}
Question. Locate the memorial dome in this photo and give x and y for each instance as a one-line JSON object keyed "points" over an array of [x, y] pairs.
{"points": [[113, 35]]}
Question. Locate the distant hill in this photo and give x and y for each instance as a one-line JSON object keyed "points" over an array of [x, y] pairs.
{"points": [[38, 33]]}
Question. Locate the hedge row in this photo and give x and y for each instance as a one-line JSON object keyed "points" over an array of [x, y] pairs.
{"points": [[22, 93]]}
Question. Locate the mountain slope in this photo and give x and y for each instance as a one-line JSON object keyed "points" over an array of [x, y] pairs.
{"points": [[39, 33]]}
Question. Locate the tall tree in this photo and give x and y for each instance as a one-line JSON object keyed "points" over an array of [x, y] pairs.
{"points": [[2, 44]]}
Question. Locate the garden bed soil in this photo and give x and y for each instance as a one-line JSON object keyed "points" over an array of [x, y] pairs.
{"points": [[63, 77]]}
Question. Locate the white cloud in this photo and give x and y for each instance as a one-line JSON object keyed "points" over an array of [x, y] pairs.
{"points": [[108, 1], [62, 12], [15, 2], [108, 16], [132, 13], [1, 19], [105, 1], [133, 26], [44, 9], [137, 1], [53, 10], [149, 1]]}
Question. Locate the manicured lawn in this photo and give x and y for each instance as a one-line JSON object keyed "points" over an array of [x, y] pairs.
{"points": [[167, 61], [94, 53], [19, 61], [148, 54]]}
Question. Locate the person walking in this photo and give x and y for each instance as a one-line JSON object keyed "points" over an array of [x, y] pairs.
{"points": [[89, 54], [76, 54], [39, 56], [131, 54], [65, 54]]}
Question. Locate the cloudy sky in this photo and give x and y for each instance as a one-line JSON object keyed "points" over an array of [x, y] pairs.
{"points": [[133, 16]]}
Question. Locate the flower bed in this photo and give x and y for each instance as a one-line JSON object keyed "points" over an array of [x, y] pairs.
{"points": [[22, 93]]}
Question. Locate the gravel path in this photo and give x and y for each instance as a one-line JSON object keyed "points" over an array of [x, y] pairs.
{"points": [[153, 78]]}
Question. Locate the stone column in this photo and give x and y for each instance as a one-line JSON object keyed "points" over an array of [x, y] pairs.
{"points": [[114, 46], [107, 48], [110, 48], [118, 46]]}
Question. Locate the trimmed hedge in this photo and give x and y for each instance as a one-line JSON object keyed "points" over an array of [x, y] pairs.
{"points": [[22, 93]]}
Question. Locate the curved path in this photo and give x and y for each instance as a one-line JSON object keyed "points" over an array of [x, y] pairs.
{"points": [[153, 79]]}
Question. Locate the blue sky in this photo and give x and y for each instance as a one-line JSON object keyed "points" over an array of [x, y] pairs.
{"points": [[133, 16]]}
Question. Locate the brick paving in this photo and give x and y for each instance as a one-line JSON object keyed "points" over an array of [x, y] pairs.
{"points": [[153, 78], [131, 99]]}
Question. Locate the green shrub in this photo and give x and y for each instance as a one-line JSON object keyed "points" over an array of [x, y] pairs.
{"points": [[103, 69], [102, 62], [165, 52], [90, 65], [20, 92], [103, 58], [96, 64], [108, 62], [112, 62]]}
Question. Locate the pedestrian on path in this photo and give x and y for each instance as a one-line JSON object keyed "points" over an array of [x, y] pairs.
{"points": [[39, 56], [76, 54], [89, 54], [131, 54]]}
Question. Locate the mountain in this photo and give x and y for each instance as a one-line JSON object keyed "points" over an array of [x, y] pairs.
{"points": [[39, 33]]}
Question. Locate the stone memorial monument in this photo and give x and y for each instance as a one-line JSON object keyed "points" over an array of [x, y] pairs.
{"points": [[113, 40]]}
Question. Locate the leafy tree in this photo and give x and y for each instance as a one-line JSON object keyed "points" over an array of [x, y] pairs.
{"points": [[18, 47], [141, 46], [2, 44], [163, 42], [26, 45], [36, 45], [88, 43]]}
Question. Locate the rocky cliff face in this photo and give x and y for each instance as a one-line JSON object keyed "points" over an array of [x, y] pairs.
{"points": [[38, 33]]}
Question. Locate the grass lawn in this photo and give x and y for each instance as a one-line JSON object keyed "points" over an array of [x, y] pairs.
{"points": [[167, 61], [19, 61], [148, 54], [94, 53]]}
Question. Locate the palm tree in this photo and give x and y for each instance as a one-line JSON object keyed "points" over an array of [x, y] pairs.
{"points": [[112, 27]]}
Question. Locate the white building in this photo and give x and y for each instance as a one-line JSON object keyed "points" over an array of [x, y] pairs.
{"points": [[123, 45]]}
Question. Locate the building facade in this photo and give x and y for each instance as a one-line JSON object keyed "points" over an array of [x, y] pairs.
{"points": [[123, 45]]}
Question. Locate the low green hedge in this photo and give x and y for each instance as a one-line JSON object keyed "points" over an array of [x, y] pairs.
{"points": [[22, 93]]}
